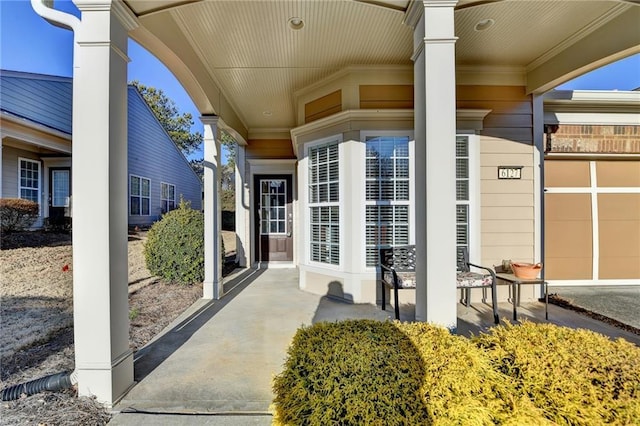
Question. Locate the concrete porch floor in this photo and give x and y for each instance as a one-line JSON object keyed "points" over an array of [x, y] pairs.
{"points": [[214, 364]]}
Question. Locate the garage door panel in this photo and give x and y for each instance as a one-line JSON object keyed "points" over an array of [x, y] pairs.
{"points": [[568, 268], [567, 174], [618, 173], [568, 239], [567, 207], [619, 268], [620, 238], [618, 207]]}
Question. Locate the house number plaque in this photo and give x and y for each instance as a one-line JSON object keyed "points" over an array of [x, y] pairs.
{"points": [[510, 172]]}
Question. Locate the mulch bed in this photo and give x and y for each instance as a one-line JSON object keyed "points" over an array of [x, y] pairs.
{"points": [[33, 239], [152, 307]]}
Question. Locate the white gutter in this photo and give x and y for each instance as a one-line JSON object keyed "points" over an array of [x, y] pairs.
{"points": [[55, 17]]}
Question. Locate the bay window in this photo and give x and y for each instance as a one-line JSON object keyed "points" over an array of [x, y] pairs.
{"points": [[387, 194], [324, 197]]}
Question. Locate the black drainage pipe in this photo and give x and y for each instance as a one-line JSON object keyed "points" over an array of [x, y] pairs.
{"points": [[53, 382]]}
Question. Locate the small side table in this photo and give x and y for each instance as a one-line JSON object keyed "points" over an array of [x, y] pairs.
{"points": [[516, 282]]}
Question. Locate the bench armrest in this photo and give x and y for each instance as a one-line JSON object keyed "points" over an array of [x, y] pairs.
{"points": [[489, 270]]}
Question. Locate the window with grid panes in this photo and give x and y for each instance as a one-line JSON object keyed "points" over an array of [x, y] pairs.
{"points": [[273, 206], [387, 194], [139, 196], [29, 180], [167, 197], [324, 211], [462, 195]]}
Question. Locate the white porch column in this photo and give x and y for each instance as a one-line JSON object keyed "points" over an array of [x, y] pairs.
{"points": [[104, 362], [435, 130], [212, 286], [242, 208]]}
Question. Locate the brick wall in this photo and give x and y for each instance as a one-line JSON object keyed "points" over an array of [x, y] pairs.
{"points": [[595, 139]]}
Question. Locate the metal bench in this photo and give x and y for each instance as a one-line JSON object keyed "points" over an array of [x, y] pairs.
{"points": [[397, 272]]}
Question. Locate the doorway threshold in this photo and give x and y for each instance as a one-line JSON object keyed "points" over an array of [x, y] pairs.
{"points": [[275, 265]]}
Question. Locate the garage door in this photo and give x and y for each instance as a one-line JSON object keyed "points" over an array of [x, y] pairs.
{"points": [[592, 221]]}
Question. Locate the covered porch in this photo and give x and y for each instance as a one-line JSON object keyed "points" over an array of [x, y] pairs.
{"points": [[277, 76], [216, 362]]}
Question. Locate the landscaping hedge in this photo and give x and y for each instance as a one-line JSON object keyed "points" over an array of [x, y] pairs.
{"points": [[388, 373], [175, 246], [578, 377], [17, 214]]}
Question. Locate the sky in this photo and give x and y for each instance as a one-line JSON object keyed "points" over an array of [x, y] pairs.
{"points": [[28, 43]]}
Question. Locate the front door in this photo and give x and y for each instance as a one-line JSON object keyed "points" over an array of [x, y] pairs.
{"points": [[59, 192], [274, 218]]}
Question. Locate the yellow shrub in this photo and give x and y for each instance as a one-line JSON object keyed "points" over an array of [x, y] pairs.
{"points": [[577, 377], [373, 373]]}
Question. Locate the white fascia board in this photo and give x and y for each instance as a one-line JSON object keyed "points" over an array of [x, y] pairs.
{"points": [[34, 134], [592, 97], [592, 118]]}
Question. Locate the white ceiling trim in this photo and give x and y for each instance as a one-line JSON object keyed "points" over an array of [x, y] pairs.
{"points": [[471, 119], [584, 32], [148, 8]]}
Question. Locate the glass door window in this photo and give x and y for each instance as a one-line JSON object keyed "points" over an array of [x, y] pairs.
{"points": [[273, 207], [60, 188]]}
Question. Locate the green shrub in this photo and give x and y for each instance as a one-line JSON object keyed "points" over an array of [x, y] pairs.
{"points": [[17, 214], [577, 377], [366, 372], [175, 246], [228, 200]]}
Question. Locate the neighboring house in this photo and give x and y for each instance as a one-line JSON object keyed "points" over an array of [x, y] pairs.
{"points": [[360, 124], [36, 151]]}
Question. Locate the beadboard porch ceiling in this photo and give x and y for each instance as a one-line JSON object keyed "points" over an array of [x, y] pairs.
{"points": [[243, 61]]}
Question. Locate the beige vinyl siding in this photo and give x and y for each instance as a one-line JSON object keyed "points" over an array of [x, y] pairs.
{"points": [[507, 213], [10, 157], [10, 174], [10, 171]]}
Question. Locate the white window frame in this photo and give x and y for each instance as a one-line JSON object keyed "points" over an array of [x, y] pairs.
{"points": [[164, 202], [140, 196], [337, 139], [38, 189], [473, 202], [412, 189]]}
